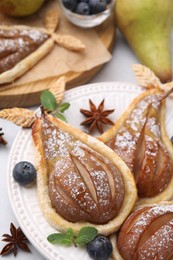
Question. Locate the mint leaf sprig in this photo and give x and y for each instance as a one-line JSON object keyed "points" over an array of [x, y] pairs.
{"points": [[85, 235], [48, 100]]}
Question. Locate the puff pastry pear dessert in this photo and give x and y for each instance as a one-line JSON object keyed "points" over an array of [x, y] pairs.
{"points": [[147, 234], [21, 47], [139, 138], [80, 180]]}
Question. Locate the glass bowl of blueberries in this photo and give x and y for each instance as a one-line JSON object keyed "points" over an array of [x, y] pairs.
{"points": [[87, 13]]}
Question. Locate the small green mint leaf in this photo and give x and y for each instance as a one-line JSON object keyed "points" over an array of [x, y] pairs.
{"points": [[60, 116], [64, 107], [57, 238], [48, 100], [70, 234], [85, 235]]}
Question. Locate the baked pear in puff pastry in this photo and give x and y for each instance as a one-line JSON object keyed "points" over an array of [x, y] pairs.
{"points": [[147, 234], [80, 180], [139, 137], [21, 47]]}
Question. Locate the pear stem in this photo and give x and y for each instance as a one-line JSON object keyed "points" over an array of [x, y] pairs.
{"points": [[167, 94], [42, 112]]}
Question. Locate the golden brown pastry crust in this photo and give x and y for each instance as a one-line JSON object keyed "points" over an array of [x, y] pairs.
{"points": [[55, 219], [27, 63], [51, 20], [19, 116], [69, 42], [115, 254], [167, 194]]}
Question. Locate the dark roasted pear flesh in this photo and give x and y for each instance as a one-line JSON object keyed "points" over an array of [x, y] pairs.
{"points": [[147, 233], [17, 44], [83, 185], [139, 143]]}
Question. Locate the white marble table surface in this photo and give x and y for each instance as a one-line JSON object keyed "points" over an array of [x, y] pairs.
{"points": [[118, 69]]}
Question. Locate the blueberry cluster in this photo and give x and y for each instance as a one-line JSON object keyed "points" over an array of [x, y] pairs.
{"points": [[86, 7]]}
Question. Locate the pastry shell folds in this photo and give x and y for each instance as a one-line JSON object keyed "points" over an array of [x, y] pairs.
{"points": [[167, 193], [50, 214]]}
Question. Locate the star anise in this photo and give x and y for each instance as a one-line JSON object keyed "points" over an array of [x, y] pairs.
{"points": [[96, 117], [16, 240], [2, 140]]}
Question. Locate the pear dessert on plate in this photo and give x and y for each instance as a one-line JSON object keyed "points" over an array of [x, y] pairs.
{"points": [[80, 180], [139, 138], [146, 234]]}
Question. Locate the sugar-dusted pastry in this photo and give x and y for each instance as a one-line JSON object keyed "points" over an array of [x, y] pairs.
{"points": [[147, 234], [21, 47], [80, 180], [139, 138]]}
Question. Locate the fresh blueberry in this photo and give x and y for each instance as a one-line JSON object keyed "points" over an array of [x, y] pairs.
{"points": [[82, 8], [24, 172], [97, 6], [70, 4], [100, 248]]}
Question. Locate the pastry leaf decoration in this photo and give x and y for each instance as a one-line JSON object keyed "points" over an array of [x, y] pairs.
{"points": [[85, 235], [19, 116], [58, 88], [51, 101], [147, 79]]}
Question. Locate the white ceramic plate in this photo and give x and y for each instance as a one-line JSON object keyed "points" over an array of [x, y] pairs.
{"points": [[24, 200]]}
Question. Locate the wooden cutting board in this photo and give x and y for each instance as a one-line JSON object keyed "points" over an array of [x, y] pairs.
{"points": [[29, 94]]}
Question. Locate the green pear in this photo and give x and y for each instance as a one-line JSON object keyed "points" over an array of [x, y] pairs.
{"points": [[146, 25], [20, 7]]}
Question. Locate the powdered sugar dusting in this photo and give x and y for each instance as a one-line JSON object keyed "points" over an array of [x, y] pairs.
{"points": [[155, 211], [159, 244], [102, 189], [129, 134], [66, 158], [138, 143], [17, 44], [125, 141], [154, 126]]}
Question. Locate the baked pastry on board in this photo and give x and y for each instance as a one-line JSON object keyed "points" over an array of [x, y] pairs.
{"points": [[21, 48], [80, 181], [78, 67], [139, 137], [24, 46]]}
